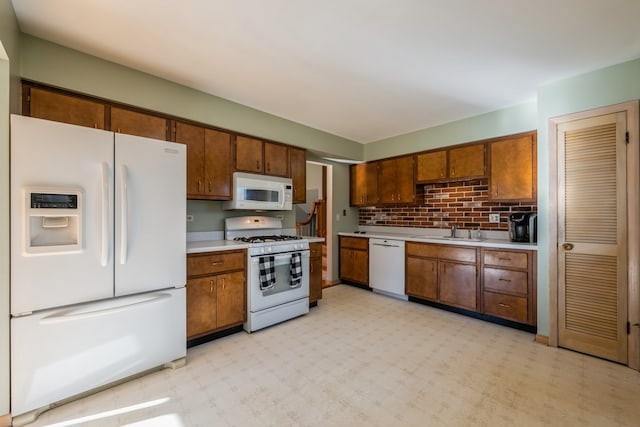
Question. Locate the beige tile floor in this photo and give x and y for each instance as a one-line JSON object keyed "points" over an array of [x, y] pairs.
{"points": [[364, 359]]}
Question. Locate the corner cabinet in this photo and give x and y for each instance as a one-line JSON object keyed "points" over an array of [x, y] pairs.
{"points": [[354, 260], [364, 184], [216, 291], [513, 168]]}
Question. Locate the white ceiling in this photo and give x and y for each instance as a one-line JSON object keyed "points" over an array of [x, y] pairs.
{"points": [[361, 69]]}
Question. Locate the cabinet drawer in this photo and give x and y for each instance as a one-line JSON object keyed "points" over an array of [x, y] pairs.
{"points": [[354, 242], [422, 250], [457, 254], [506, 259], [505, 280], [215, 262], [506, 306]]}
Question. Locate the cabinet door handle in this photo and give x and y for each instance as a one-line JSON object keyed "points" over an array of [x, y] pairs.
{"points": [[257, 164], [310, 268], [199, 186], [224, 285], [504, 280], [504, 259], [217, 263], [210, 184], [453, 171], [501, 304], [210, 286]]}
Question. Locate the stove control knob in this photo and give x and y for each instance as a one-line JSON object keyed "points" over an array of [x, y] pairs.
{"points": [[269, 249], [261, 250]]}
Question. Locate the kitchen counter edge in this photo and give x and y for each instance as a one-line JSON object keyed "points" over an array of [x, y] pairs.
{"points": [[487, 243], [214, 246]]}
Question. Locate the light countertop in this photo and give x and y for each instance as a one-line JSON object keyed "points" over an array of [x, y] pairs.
{"points": [[227, 245], [429, 236], [214, 245]]}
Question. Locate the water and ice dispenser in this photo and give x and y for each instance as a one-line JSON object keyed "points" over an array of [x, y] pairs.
{"points": [[53, 220]]}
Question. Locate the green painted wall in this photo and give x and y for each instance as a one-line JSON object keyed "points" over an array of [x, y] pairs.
{"points": [[611, 85], [519, 118], [52, 64], [9, 102], [56, 65]]}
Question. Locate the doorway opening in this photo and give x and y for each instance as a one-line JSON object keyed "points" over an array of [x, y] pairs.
{"points": [[313, 218]]}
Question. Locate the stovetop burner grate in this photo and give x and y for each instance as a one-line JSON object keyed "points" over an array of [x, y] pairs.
{"points": [[264, 239]]}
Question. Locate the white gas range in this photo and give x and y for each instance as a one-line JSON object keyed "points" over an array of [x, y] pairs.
{"points": [[277, 270]]}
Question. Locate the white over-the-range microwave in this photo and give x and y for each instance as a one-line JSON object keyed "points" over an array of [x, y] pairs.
{"points": [[260, 192]]}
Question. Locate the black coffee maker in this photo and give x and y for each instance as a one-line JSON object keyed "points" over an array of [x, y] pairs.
{"points": [[523, 227]]}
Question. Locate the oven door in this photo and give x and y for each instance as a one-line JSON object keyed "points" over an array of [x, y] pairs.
{"points": [[282, 292]]}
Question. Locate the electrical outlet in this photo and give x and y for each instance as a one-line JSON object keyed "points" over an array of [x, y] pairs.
{"points": [[189, 218], [494, 217]]}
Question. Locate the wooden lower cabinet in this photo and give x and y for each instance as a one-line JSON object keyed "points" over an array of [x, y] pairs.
{"points": [[422, 277], [216, 291], [315, 272], [458, 284], [354, 260], [442, 273], [509, 284], [496, 282]]}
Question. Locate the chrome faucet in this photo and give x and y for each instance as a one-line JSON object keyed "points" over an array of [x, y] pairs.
{"points": [[453, 231]]}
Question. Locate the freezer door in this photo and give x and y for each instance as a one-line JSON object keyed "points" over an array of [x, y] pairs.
{"points": [[150, 201], [55, 156], [59, 353]]}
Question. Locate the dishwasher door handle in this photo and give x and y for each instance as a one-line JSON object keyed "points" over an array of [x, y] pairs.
{"points": [[387, 246]]}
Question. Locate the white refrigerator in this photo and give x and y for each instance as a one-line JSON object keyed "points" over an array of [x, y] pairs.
{"points": [[98, 259]]}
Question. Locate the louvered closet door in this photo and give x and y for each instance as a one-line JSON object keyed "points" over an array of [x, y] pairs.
{"points": [[592, 236]]}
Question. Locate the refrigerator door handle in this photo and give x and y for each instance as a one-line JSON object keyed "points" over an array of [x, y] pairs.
{"points": [[104, 308], [123, 214], [104, 226]]}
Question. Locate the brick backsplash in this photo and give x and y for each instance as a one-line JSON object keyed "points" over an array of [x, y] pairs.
{"points": [[465, 204]]}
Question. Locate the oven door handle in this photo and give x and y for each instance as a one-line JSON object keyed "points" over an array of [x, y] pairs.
{"points": [[283, 256]]}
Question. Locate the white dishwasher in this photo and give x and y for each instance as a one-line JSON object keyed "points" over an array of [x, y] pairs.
{"points": [[386, 267]]}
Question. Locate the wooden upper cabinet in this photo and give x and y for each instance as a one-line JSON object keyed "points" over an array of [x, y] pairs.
{"points": [[276, 159], [298, 173], [208, 161], [48, 105], [249, 155], [459, 163], [364, 184], [139, 124], [432, 166], [217, 169], [513, 165], [193, 137], [396, 182], [467, 162]]}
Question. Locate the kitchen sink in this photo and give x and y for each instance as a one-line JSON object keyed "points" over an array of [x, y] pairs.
{"points": [[461, 239]]}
